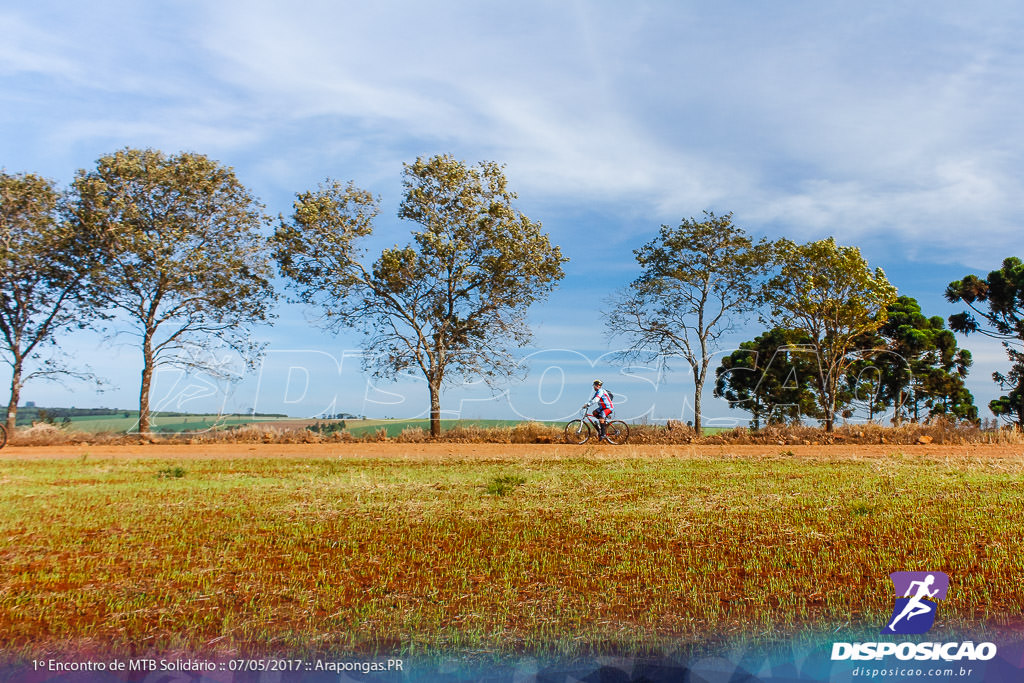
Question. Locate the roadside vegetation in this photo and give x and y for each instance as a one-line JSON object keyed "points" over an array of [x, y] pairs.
{"points": [[938, 431]]}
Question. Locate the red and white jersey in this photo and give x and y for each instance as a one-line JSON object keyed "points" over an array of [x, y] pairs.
{"points": [[601, 397]]}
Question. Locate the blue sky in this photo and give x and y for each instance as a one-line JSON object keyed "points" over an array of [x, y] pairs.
{"points": [[894, 127]]}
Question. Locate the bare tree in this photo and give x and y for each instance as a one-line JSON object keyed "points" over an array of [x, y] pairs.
{"points": [[696, 277]]}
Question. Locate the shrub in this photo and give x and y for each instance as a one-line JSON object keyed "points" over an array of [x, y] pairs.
{"points": [[504, 485]]}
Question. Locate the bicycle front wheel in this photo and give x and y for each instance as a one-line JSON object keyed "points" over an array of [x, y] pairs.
{"points": [[577, 431], [617, 432]]}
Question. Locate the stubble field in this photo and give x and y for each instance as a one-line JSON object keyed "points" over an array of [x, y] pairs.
{"points": [[364, 548]]}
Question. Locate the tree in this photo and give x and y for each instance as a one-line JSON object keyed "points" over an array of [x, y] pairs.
{"points": [[44, 267], [451, 303], [997, 301], [926, 369], [829, 293], [695, 278], [771, 377], [188, 267]]}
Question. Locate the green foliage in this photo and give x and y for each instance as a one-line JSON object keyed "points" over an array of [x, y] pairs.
{"points": [[861, 508], [171, 473], [504, 485], [695, 278], [829, 293], [925, 368], [911, 363], [327, 428], [452, 303], [187, 265], [997, 310], [772, 377]]}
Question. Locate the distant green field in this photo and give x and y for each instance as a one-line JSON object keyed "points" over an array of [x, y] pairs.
{"points": [[396, 427], [177, 423], [191, 423]]}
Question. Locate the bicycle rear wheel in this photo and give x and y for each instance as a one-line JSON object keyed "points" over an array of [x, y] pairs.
{"points": [[617, 432], [577, 431]]}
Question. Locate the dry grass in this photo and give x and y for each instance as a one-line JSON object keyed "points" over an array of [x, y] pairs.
{"points": [[939, 431]]}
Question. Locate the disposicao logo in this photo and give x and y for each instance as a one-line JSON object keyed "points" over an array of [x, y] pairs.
{"points": [[917, 594]]}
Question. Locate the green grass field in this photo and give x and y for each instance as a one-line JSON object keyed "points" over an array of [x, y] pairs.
{"points": [[127, 422], [602, 552], [199, 423], [175, 423], [395, 427]]}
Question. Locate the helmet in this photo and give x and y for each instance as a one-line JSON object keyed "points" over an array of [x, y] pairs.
{"points": [[598, 382]]}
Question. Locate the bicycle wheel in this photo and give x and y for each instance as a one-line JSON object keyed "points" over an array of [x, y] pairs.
{"points": [[577, 431], [3, 436], [617, 432]]}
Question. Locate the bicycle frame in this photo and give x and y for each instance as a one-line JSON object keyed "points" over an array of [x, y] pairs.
{"points": [[589, 417], [578, 430]]}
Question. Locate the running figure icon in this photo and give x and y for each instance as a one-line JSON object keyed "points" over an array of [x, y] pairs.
{"points": [[916, 604], [918, 596]]}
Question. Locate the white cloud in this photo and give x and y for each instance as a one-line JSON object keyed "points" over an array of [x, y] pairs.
{"points": [[809, 120], [27, 49]]}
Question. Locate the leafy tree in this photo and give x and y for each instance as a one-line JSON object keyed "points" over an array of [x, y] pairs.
{"points": [[44, 267], [771, 377], [452, 303], [997, 310], [829, 293], [696, 277], [188, 268], [925, 369]]}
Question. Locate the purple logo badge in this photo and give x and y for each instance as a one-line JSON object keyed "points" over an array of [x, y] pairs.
{"points": [[917, 596]]}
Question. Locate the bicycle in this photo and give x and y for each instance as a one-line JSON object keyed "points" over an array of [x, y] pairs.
{"points": [[578, 431]]}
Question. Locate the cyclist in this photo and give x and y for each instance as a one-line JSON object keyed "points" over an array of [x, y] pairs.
{"points": [[603, 399]]}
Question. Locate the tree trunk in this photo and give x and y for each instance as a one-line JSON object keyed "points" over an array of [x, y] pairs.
{"points": [[697, 413], [12, 405], [830, 406], [435, 410], [826, 398], [147, 379]]}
